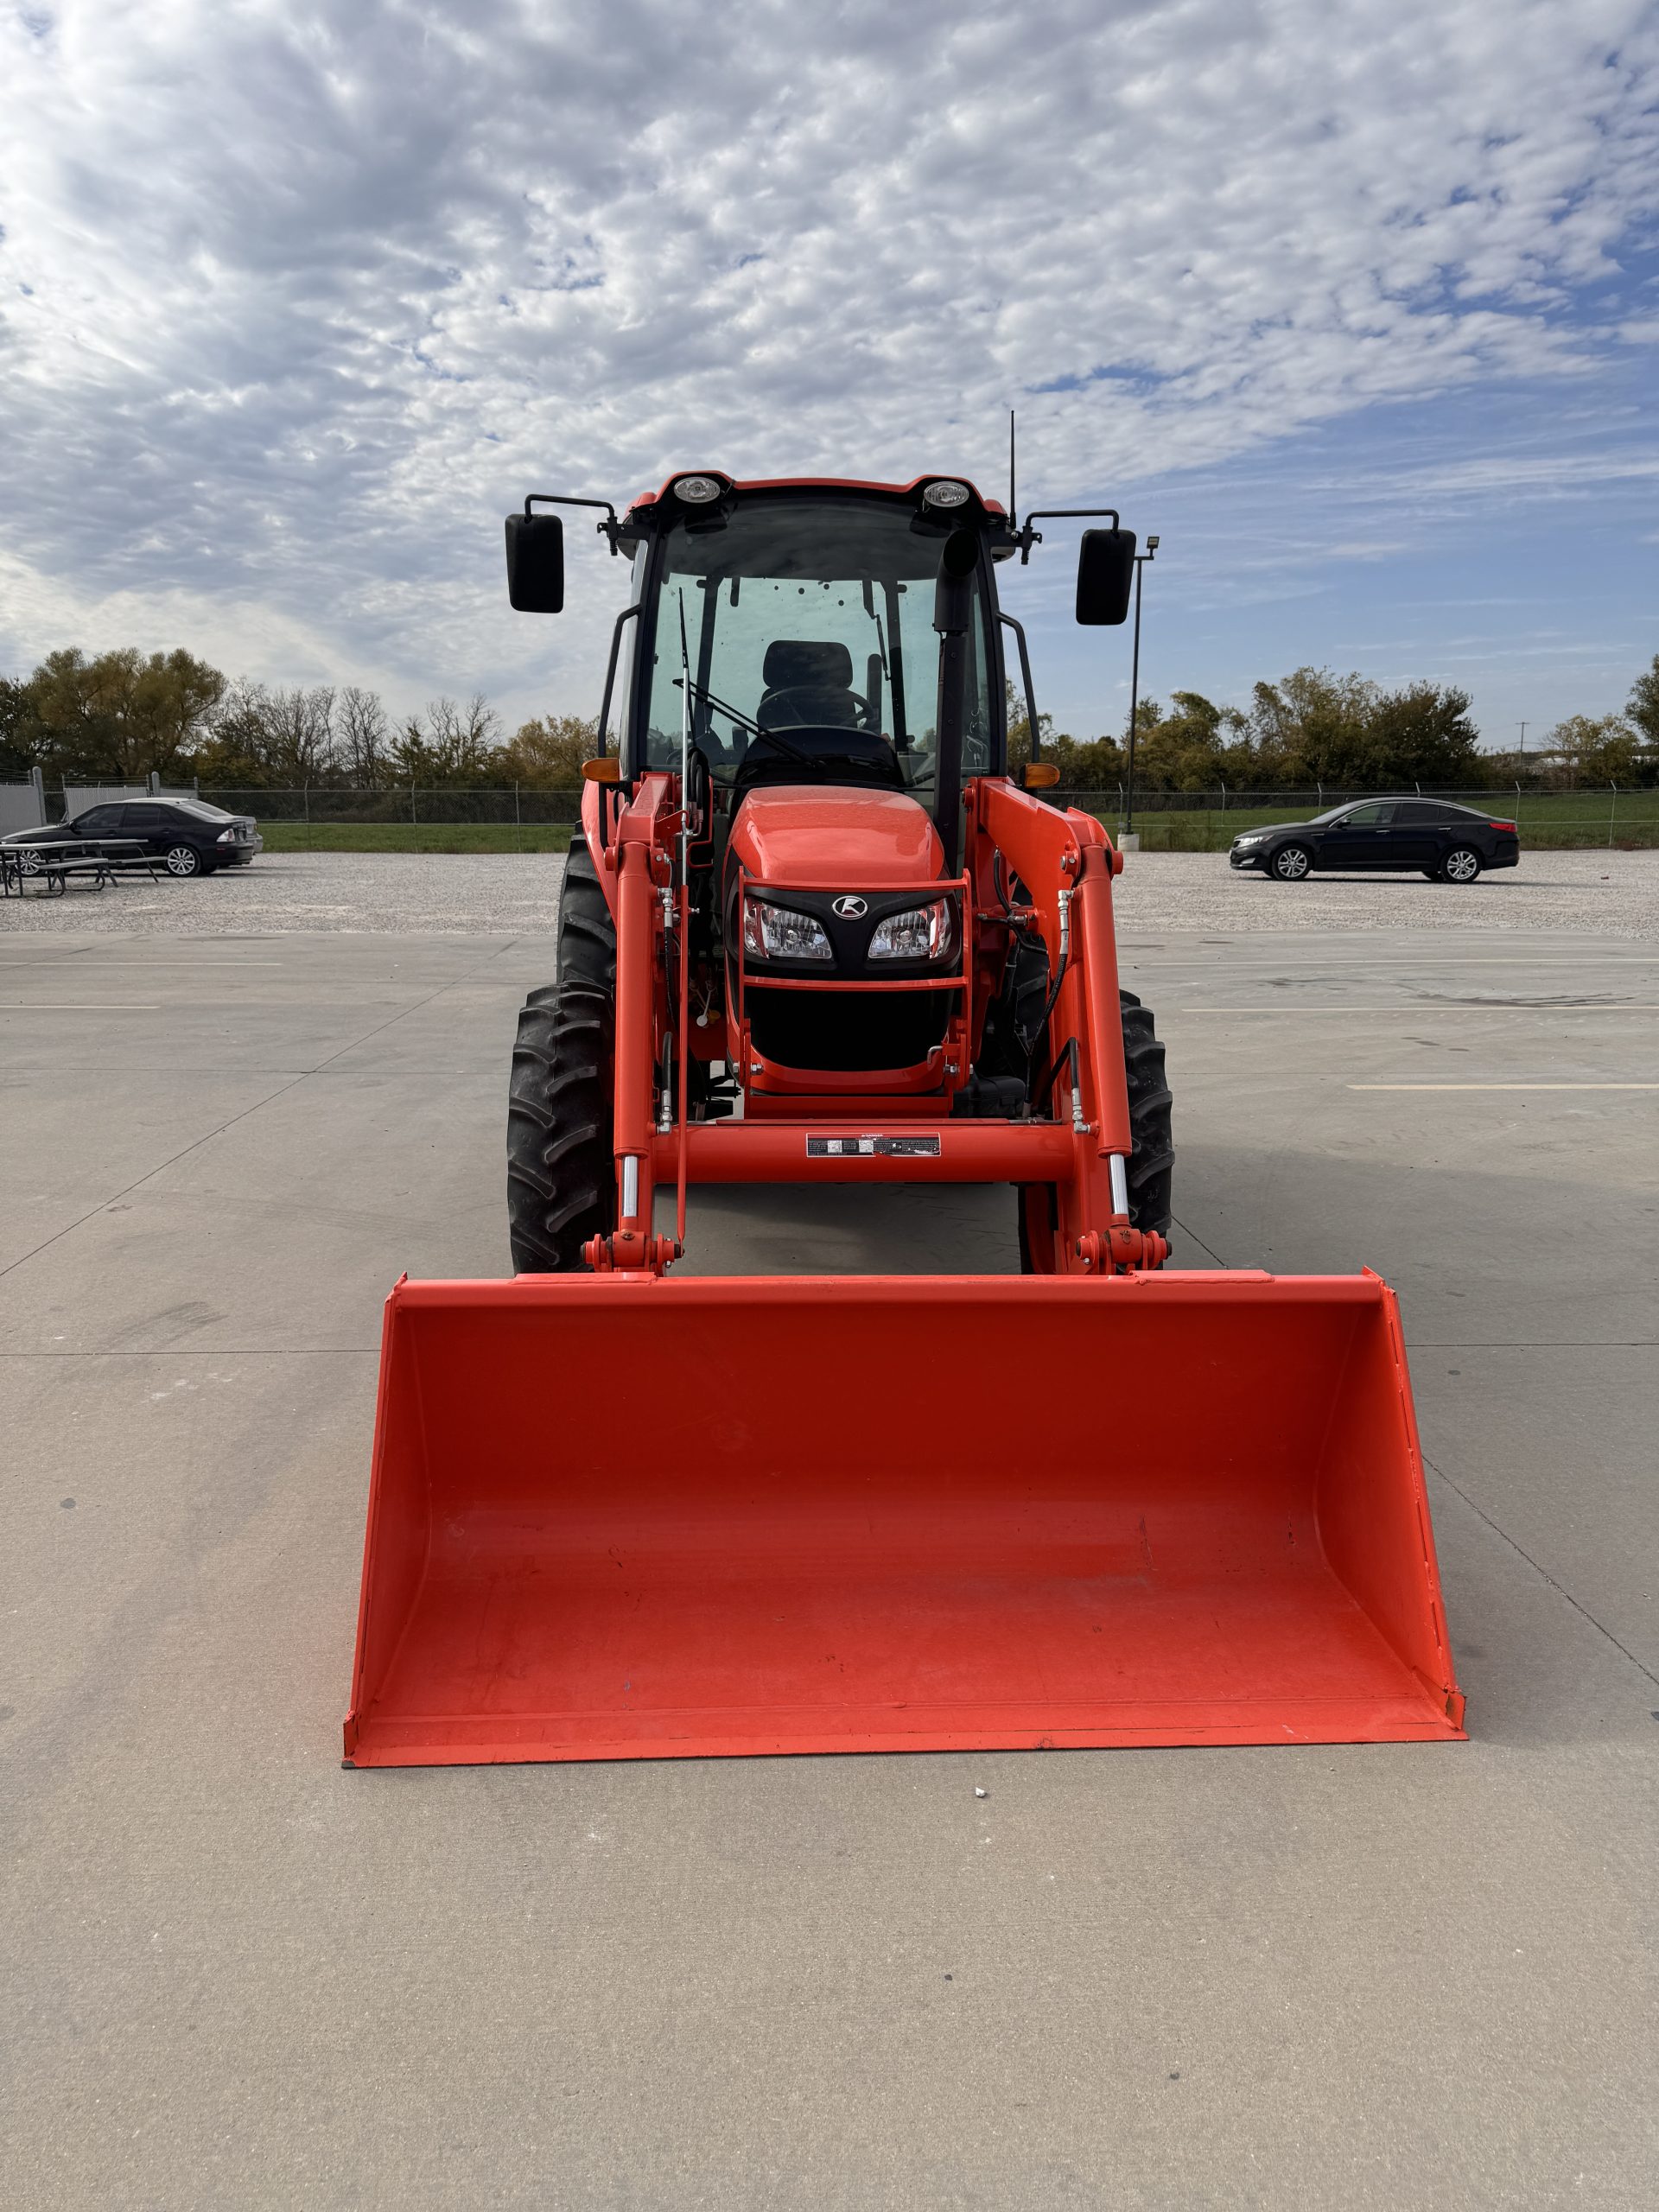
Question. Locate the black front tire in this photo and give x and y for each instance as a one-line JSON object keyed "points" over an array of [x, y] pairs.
{"points": [[1291, 863], [561, 1163], [1152, 1154], [1152, 1161]]}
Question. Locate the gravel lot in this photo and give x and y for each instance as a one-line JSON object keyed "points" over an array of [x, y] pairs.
{"points": [[510, 895]]}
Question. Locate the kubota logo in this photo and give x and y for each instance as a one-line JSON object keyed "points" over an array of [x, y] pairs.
{"points": [[850, 906]]}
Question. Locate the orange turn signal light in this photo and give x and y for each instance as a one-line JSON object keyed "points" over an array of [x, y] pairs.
{"points": [[607, 769], [1040, 776]]}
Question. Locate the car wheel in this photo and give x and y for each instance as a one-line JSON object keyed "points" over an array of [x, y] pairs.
{"points": [[183, 859], [1292, 862], [29, 862], [1461, 865]]}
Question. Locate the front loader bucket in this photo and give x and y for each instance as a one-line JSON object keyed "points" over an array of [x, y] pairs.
{"points": [[618, 1518]]}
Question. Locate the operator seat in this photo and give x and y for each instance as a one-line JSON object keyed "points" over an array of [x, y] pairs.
{"points": [[807, 681]]}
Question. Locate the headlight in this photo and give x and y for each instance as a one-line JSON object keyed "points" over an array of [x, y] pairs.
{"points": [[1254, 838], [780, 933], [696, 491], [920, 933], [945, 494]]}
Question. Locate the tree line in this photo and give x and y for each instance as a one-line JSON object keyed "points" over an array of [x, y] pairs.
{"points": [[1345, 731], [122, 715]]}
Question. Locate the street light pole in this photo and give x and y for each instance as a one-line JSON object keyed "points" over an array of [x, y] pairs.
{"points": [[1140, 560]]}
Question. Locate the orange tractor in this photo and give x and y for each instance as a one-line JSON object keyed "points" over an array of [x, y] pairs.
{"points": [[815, 931]]}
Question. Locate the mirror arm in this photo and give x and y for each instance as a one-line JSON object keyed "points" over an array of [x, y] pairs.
{"points": [[1026, 537], [611, 528], [1019, 630], [626, 615]]}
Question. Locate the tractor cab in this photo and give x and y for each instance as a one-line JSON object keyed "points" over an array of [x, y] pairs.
{"points": [[800, 618], [821, 664]]}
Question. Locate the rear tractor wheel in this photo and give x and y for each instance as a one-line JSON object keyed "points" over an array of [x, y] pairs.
{"points": [[561, 1167]]}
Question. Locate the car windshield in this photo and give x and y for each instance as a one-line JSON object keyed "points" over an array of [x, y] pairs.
{"points": [[809, 615], [200, 808]]}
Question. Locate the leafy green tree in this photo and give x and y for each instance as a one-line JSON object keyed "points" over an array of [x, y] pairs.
{"points": [[546, 753], [1584, 749], [1309, 728], [1643, 709], [22, 738], [123, 714], [1421, 734], [1316, 727], [1192, 746]]}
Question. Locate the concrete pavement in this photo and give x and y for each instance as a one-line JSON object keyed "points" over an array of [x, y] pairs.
{"points": [[232, 1973]]}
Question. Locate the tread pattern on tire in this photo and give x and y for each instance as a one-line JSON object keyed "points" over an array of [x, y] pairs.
{"points": [[1152, 1162], [559, 1151], [1152, 1157]]}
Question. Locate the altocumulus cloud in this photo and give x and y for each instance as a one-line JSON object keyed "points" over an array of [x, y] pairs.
{"points": [[298, 299]]}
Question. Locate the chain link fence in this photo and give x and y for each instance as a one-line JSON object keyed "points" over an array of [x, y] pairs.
{"points": [[517, 805], [1204, 820], [1209, 821]]}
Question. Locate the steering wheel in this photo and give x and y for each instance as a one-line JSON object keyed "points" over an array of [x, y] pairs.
{"points": [[870, 715]]}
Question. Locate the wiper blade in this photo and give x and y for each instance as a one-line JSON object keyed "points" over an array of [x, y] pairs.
{"points": [[701, 691], [753, 729]]}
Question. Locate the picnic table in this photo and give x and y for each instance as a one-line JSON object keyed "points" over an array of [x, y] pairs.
{"points": [[95, 860]]}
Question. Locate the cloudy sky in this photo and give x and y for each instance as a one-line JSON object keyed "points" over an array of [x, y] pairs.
{"points": [[1355, 302]]}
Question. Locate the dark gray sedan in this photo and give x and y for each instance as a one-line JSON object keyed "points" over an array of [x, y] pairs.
{"points": [[187, 835], [1431, 836]]}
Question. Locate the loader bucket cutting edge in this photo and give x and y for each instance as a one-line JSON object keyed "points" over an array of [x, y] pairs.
{"points": [[621, 1518]]}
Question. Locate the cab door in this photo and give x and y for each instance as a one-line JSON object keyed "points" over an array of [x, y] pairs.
{"points": [[1360, 838]]}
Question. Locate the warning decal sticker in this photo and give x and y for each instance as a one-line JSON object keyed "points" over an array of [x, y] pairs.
{"points": [[873, 1148]]}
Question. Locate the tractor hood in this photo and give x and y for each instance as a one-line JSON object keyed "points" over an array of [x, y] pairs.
{"points": [[813, 838]]}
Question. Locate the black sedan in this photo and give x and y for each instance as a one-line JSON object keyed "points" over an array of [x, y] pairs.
{"points": [[1451, 844], [187, 835]]}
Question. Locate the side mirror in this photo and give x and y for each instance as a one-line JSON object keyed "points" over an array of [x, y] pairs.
{"points": [[1105, 576], [536, 564]]}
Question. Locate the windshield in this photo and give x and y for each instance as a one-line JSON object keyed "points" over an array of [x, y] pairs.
{"points": [[199, 806], [809, 615]]}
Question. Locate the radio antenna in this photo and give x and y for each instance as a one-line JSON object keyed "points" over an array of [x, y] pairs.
{"points": [[1010, 468]]}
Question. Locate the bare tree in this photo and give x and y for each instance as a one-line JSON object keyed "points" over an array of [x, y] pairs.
{"points": [[302, 727], [364, 737], [447, 744], [280, 737]]}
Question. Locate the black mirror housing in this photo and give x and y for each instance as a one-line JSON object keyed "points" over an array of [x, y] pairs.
{"points": [[1105, 577], [953, 595], [536, 564]]}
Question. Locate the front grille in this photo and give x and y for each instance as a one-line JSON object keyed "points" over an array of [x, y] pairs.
{"points": [[845, 1031]]}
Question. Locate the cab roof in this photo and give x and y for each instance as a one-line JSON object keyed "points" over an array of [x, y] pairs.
{"points": [[815, 484]]}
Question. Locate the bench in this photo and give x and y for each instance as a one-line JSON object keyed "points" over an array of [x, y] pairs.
{"points": [[100, 858]]}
